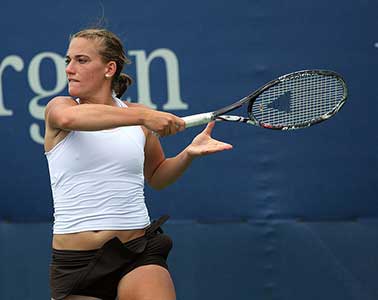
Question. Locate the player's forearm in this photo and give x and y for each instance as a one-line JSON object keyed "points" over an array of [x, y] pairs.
{"points": [[90, 117], [170, 170]]}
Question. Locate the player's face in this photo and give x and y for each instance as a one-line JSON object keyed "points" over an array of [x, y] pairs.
{"points": [[84, 68]]}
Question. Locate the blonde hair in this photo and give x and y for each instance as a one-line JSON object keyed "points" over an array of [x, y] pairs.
{"points": [[111, 50]]}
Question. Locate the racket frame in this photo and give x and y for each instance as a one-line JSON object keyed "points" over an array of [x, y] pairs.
{"points": [[252, 120]]}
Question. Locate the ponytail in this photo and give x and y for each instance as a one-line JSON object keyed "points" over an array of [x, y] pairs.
{"points": [[121, 84]]}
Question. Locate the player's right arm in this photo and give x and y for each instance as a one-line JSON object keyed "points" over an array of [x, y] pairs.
{"points": [[63, 113]]}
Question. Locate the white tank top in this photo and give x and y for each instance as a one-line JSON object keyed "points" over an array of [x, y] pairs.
{"points": [[97, 180]]}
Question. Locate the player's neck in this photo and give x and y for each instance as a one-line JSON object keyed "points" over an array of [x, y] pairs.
{"points": [[99, 98]]}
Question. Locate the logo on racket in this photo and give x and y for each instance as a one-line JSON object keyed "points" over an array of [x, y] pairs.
{"points": [[282, 103]]}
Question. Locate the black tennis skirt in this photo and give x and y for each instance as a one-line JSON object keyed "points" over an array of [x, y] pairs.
{"points": [[96, 273]]}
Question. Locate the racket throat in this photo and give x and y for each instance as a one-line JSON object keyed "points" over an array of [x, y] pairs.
{"points": [[229, 118]]}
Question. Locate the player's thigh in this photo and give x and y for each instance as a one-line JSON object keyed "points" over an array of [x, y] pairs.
{"points": [[77, 297], [151, 282]]}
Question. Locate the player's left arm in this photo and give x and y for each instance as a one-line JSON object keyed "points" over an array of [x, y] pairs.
{"points": [[161, 171]]}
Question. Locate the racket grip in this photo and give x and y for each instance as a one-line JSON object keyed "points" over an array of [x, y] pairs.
{"points": [[199, 119]]}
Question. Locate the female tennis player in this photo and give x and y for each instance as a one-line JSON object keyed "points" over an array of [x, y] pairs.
{"points": [[100, 150]]}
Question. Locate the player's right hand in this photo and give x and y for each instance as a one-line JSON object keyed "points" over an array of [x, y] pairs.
{"points": [[162, 123]]}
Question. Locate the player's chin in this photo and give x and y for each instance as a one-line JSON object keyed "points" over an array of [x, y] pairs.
{"points": [[74, 92]]}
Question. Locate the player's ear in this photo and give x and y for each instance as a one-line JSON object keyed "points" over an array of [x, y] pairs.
{"points": [[110, 69]]}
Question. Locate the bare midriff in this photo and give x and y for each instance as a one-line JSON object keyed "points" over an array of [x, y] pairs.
{"points": [[90, 240]]}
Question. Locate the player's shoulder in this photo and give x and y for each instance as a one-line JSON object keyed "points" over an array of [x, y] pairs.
{"points": [[61, 100]]}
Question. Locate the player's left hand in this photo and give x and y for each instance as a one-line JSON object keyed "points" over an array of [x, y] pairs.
{"points": [[204, 144]]}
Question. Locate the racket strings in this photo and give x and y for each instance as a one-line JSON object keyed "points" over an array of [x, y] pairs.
{"points": [[310, 97]]}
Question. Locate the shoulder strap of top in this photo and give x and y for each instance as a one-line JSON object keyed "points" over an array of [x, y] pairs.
{"points": [[119, 102]]}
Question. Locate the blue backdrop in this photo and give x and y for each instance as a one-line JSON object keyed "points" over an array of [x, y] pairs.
{"points": [[284, 215]]}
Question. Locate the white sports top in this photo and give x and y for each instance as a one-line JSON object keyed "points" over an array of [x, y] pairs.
{"points": [[97, 180]]}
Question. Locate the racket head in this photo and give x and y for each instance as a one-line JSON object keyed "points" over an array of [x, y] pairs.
{"points": [[298, 100]]}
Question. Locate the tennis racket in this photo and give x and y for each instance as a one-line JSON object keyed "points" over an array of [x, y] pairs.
{"points": [[292, 101]]}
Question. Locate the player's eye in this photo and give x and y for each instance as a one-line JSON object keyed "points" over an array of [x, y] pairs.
{"points": [[82, 60]]}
